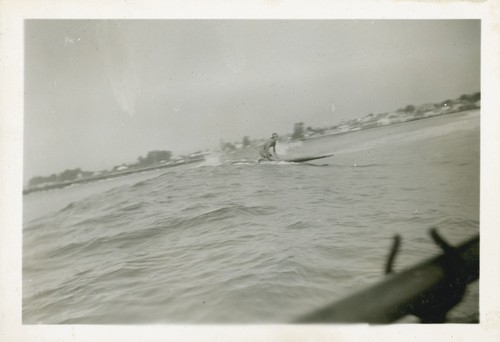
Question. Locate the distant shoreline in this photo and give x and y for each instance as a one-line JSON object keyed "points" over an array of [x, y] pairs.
{"points": [[324, 136], [191, 161], [107, 176]]}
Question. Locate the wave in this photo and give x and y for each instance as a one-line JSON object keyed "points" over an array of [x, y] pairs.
{"points": [[368, 165], [226, 212], [103, 244], [458, 222]]}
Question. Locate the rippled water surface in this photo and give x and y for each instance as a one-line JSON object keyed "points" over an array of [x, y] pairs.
{"points": [[233, 243]]}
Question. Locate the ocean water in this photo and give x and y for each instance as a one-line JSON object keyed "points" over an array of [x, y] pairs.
{"points": [[223, 242]]}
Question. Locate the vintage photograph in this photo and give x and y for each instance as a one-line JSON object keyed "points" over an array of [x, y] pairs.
{"points": [[229, 171]]}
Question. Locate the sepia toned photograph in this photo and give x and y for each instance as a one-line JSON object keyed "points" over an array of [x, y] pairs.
{"points": [[251, 171]]}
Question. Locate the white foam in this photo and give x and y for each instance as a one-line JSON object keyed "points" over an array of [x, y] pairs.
{"points": [[212, 159], [282, 148]]}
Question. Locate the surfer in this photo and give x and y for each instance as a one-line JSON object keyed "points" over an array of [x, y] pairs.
{"points": [[264, 151]]}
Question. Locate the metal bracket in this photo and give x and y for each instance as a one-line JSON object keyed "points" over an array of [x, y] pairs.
{"points": [[433, 306], [392, 255]]}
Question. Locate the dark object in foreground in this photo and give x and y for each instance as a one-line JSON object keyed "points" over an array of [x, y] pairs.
{"points": [[428, 290]]}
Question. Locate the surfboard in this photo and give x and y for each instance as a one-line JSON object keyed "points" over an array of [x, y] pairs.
{"points": [[297, 160], [304, 159]]}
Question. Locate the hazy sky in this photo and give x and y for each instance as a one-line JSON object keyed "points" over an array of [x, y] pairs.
{"points": [[100, 93]]}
